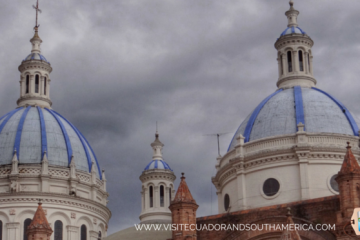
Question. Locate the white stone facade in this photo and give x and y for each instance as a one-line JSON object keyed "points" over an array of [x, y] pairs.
{"points": [[303, 163], [73, 197]]}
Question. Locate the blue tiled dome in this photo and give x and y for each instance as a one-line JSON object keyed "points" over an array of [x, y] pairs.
{"points": [[291, 30], [282, 111], [158, 164], [33, 130], [36, 56]]}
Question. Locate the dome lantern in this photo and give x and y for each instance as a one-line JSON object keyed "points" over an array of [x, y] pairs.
{"points": [[34, 74], [294, 54]]}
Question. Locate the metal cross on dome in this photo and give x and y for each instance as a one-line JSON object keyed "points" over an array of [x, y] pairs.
{"points": [[37, 9]]}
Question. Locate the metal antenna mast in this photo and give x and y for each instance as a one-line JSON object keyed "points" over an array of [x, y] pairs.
{"points": [[37, 9], [218, 139]]}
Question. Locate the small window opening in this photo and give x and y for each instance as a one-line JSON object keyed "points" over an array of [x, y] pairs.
{"points": [[37, 84], [44, 86], [27, 84], [169, 195], [301, 64], [151, 196], [289, 61], [281, 65], [161, 196]]}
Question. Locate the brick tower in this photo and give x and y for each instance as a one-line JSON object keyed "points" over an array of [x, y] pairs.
{"points": [[349, 186], [39, 228], [183, 209]]}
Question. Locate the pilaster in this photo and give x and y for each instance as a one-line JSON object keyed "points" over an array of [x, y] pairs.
{"points": [[72, 232], [302, 151], [13, 231]]}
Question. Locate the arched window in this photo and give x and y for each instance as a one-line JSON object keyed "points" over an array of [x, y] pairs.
{"points": [[36, 83], [289, 60], [309, 62], [151, 195], [26, 224], [301, 63], [1, 230], [27, 84], [45, 86], [161, 196], [83, 232], [58, 230], [99, 236], [281, 65]]}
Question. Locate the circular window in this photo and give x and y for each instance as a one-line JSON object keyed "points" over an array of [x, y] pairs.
{"points": [[333, 183], [271, 187], [226, 202]]}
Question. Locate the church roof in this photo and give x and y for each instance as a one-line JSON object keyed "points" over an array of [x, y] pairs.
{"points": [[281, 112], [292, 30], [39, 220], [35, 56], [157, 164], [183, 193], [32, 131], [350, 165]]}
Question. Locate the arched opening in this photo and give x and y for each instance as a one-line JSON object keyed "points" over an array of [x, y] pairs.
{"points": [[281, 65], [1, 230], [161, 196], [83, 232], [301, 63], [289, 60], [169, 196], [36, 83], [58, 230], [226, 202], [27, 84], [45, 86], [99, 235], [151, 196], [309, 62], [26, 224]]}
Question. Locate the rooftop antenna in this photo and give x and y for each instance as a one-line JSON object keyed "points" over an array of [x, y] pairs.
{"points": [[38, 10], [218, 139]]}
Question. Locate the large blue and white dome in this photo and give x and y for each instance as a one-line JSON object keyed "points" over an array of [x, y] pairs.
{"points": [[282, 111], [32, 131]]}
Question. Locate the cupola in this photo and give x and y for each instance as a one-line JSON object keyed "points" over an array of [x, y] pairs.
{"points": [[294, 54]]}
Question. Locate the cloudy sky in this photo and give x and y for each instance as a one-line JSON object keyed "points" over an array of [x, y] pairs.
{"points": [[196, 66]]}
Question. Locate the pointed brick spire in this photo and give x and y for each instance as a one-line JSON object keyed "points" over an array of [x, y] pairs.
{"points": [[290, 233], [183, 193], [350, 165], [39, 227]]}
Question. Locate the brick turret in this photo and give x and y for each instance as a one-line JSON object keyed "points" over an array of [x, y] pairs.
{"points": [[183, 209], [349, 186], [39, 228]]}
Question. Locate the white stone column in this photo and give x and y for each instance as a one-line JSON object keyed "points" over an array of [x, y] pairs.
{"points": [[48, 88], [219, 195], [41, 87], [166, 197], [22, 84], [284, 63], [306, 68], [311, 64], [146, 192], [13, 231], [72, 232], [32, 84], [295, 62], [279, 65], [156, 197], [303, 151], [241, 186]]}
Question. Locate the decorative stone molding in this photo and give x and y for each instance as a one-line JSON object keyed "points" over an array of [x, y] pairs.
{"points": [[12, 211], [73, 215]]}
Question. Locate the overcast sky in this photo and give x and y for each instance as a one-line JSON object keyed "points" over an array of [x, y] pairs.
{"points": [[195, 66]]}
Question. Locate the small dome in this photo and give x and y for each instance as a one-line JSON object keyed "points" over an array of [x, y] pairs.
{"points": [[281, 112], [35, 56], [32, 131], [291, 30], [157, 164]]}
